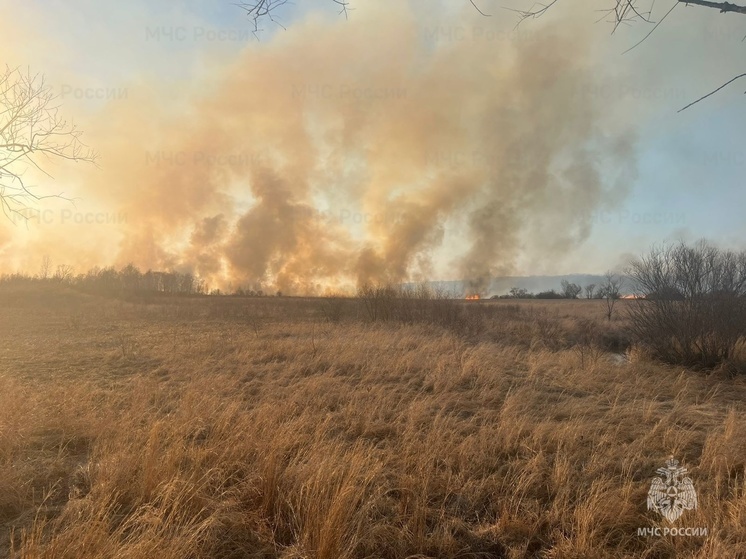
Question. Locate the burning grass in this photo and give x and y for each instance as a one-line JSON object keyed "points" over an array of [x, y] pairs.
{"points": [[262, 428]]}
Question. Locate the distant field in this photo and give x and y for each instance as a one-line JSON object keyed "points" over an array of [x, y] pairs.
{"points": [[298, 428]]}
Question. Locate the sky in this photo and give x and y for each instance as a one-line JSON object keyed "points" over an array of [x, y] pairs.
{"points": [[409, 141]]}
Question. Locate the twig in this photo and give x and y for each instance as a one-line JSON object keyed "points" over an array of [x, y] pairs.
{"points": [[712, 92], [477, 9], [651, 31]]}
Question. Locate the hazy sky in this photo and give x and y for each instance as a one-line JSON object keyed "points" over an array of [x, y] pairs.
{"points": [[410, 141]]}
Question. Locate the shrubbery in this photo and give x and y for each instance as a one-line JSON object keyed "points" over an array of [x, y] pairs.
{"points": [[694, 310], [551, 294], [410, 304], [108, 281]]}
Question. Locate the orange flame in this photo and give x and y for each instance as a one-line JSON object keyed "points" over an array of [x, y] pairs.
{"points": [[472, 297]]}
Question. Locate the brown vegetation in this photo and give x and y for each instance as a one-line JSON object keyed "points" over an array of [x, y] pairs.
{"points": [[694, 307], [283, 427]]}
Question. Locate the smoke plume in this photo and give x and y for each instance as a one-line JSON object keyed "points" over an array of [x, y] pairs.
{"points": [[345, 152]]}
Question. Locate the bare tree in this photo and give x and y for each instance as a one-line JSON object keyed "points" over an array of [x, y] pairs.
{"points": [[570, 290], [63, 273], [518, 293], [589, 289], [31, 130], [46, 266], [609, 291], [694, 309]]}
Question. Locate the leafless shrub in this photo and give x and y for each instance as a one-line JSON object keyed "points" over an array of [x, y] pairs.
{"points": [[411, 304], [609, 292], [540, 328], [588, 343], [333, 308], [127, 345], [694, 310], [377, 301]]}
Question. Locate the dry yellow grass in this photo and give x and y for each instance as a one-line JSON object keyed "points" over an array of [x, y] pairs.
{"points": [[263, 428]]}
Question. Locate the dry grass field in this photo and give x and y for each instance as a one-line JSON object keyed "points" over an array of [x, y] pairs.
{"points": [[295, 428]]}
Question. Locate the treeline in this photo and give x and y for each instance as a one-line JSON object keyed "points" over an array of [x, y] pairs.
{"points": [[131, 279], [126, 280], [609, 289]]}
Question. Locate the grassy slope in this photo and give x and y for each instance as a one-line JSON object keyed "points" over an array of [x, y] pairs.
{"points": [[258, 429]]}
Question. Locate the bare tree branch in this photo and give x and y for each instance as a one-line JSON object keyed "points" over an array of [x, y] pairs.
{"points": [[257, 10], [533, 12], [651, 31], [477, 9], [344, 4], [722, 6], [31, 128], [712, 92], [627, 11], [620, 11]]}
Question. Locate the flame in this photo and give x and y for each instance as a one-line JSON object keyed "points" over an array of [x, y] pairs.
{"points": [[472, 297]]}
